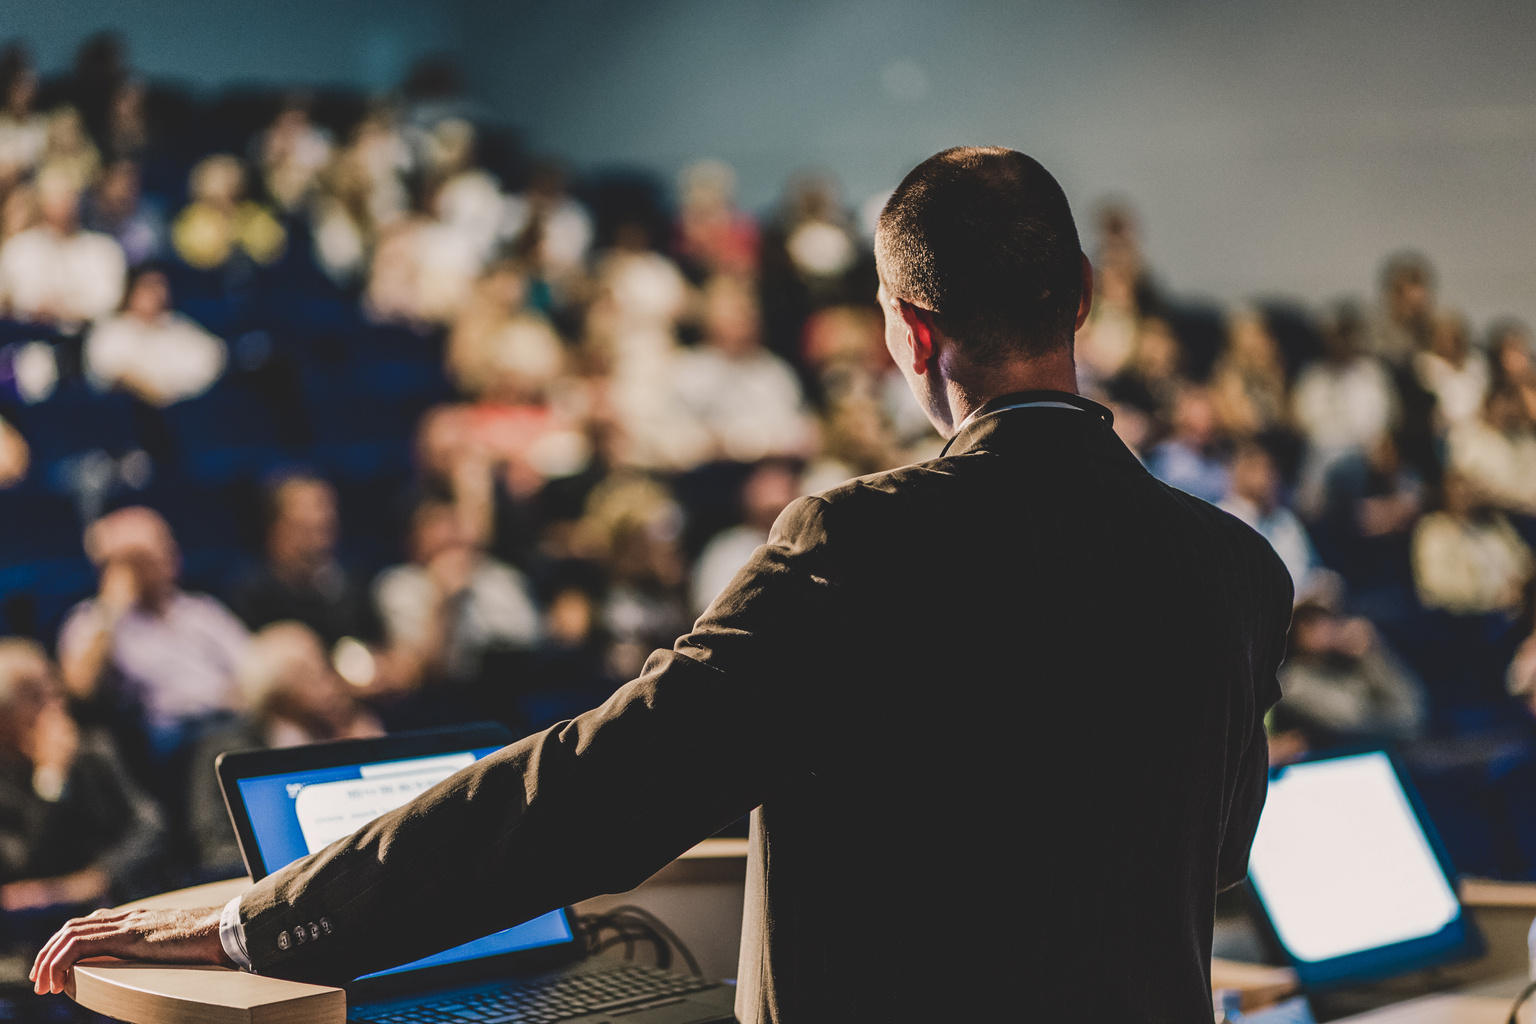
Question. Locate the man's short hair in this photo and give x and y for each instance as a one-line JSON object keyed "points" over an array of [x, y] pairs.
{"points": [[983, 237]]}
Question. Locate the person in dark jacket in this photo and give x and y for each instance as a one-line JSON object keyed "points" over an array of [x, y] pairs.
{"points": [[998, 717], [75, 830]]}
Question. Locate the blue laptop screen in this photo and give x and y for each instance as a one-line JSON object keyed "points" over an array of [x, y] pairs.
{"points": [[295, 814]]}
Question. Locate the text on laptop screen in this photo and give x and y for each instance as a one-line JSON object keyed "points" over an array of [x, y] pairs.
{"points": [[296, 813], [1341, 861]]}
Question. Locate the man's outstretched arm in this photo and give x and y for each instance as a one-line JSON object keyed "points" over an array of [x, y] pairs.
{"points": [[595, 805]]}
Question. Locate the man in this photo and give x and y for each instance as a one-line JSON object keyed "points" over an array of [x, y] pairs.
{"points": [[173, 653], [301, 578], [74, 828], [1000, 714]]}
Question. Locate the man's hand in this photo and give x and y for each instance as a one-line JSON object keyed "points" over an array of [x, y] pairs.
{"points": [[169, 936]]}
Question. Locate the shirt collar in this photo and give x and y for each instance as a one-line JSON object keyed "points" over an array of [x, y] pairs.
{"points": [[974, 424]]}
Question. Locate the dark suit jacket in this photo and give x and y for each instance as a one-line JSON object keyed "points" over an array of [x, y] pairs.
{"points": [[1000, 716]]}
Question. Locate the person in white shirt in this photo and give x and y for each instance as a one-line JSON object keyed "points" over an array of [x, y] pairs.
{"points": [[771, 487], [746, 401], [452, 603], [1467, 559], [1496, 452], [55, 272], [1254, 497], [1453, 371], [150, 351]]}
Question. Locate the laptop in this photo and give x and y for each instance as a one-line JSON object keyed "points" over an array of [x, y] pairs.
{"points": [[1349, 876], [286, 804]]}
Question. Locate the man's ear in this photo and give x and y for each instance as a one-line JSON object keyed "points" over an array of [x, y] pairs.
{"points": [[1085, 304], [921, 335]]}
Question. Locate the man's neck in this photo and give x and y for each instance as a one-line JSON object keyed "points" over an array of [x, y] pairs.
{"points": [[967, 392]]}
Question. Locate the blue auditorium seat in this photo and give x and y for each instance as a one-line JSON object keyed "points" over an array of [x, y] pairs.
{"points": [[226, 434], [36, 525], [74, 420]]}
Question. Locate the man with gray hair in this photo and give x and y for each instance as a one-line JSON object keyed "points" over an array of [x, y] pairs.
{"points": [[74, 829]]}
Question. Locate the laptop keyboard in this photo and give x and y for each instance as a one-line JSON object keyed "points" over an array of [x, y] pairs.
{"points": [[625, 989]]}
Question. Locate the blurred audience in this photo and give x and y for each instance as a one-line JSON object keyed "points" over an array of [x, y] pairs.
{"points": [[1341, 684], [1404, 320], [221, 223], [23, 130], [293, 696], [1467, 558], [171, 653], [57, 272], [301, 579], [117, 207], [452, 604], [15, 456], [1254, 497], [771, 486], [75, 831], [149, 350], [1190, 458], [745, 402]]}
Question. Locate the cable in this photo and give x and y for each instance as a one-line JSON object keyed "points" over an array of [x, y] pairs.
{"points": [[1525, 994], [631, 924]]}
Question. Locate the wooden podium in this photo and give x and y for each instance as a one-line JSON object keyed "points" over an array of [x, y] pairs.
{"points": [[157, 994], [143, 993]]}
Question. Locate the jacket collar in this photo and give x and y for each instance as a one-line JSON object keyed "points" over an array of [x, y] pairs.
{"points": [[985, 421]]}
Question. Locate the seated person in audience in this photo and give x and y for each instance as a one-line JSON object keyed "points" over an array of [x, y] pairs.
{"points": [[294, 151], [301, 579], [1403, 321], [1248, 381], [149, 350], [221, 222], [70, 149], [117, 207], [1190, 458], [15, 456], [1453, 371], [1254, 497], [452, 604], [550, 229], [632, 525], [1512, 362], [74, 829], [1341, 684], [772, 485], [1343, 403], [497, 342], [56, 272], [293, 696], [714, 235], [1153, 377], [745, 401], [23, 131], [171, 652], [1467, 559], [1496, 452]]}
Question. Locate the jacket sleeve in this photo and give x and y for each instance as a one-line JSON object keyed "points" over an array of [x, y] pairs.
{"points": [[593, 805], [1252, 778]]}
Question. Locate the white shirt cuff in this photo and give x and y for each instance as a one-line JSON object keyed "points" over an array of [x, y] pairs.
{"points": [[232, 935]]}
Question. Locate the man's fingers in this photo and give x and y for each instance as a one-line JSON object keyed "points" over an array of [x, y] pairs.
{"points": [[65, 948]]}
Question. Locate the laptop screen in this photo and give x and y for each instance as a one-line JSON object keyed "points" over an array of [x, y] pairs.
{"points": [[296, 813], [1348, 873]]}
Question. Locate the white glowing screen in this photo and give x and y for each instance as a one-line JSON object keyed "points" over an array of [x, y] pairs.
{"points": [[1341, 862]]}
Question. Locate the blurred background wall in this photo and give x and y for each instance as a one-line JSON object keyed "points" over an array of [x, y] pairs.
{"points": [[1269, 147]]}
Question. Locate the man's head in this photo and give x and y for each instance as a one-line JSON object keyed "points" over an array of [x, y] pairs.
{"points": [[285, 673], [140, 539], [28, 686], [977, 245], [58, 198], [301, 535], [1408, 286], [1255, 477]]}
